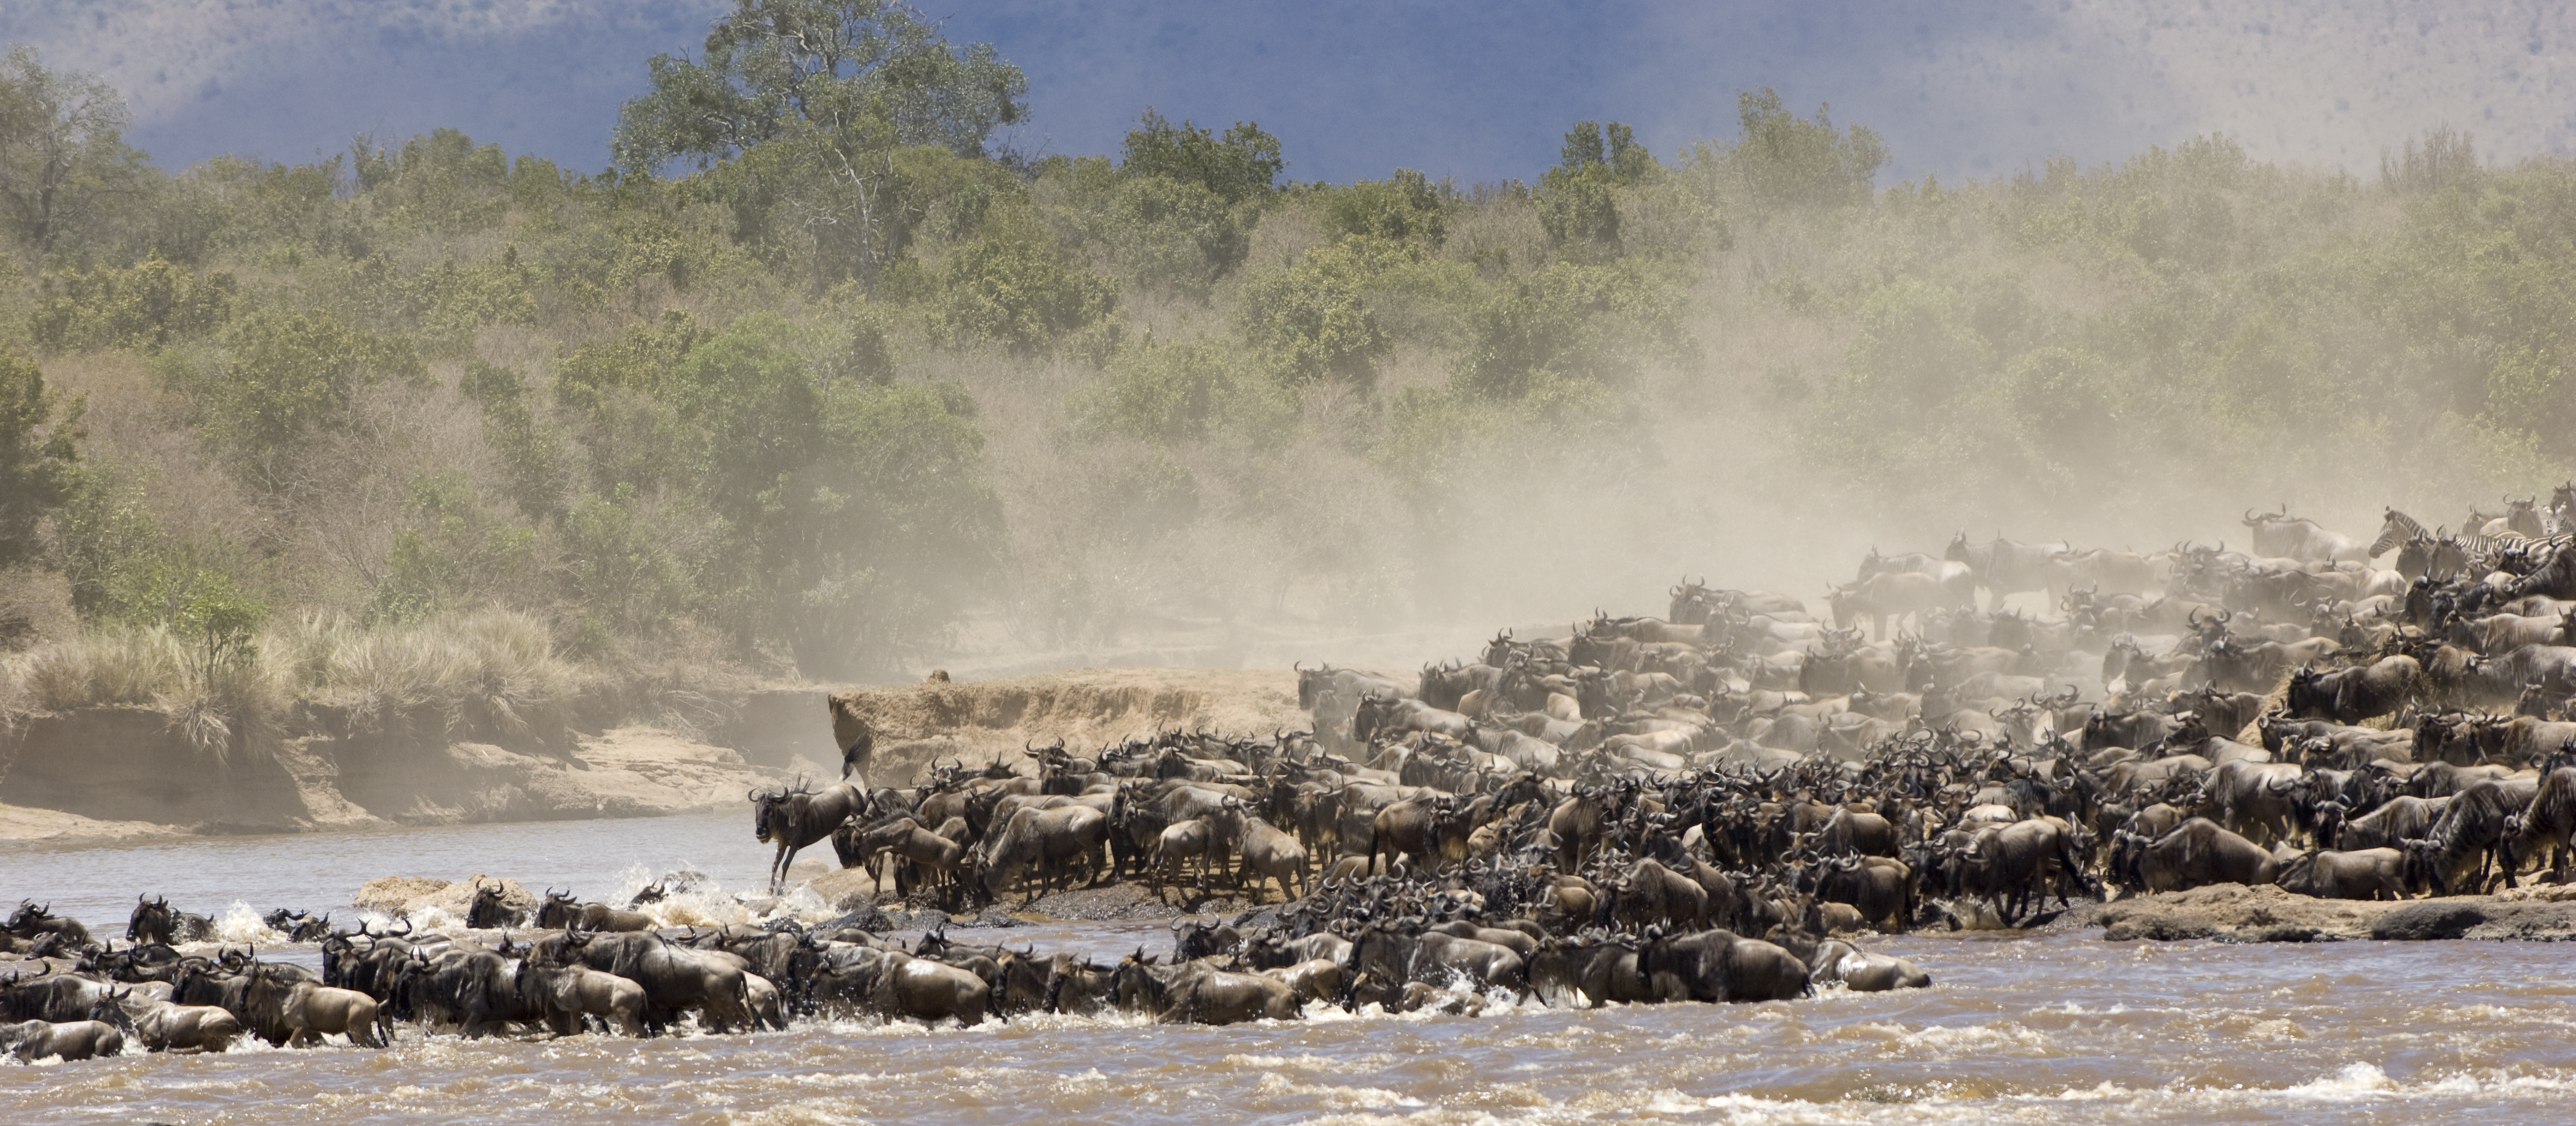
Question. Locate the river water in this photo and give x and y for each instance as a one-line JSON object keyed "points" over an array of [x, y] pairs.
{"points": [[2065, 1029]]}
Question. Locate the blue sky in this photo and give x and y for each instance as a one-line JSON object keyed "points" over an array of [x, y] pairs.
{"points": [[1479, 91]]}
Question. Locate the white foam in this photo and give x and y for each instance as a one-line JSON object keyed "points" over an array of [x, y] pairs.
{"points": [[239, 925]]}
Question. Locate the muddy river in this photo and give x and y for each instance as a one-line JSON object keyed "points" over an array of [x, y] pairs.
{"points": [[2055, 1030]]}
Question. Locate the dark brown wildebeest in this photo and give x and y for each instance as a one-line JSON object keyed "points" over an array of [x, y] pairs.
{"points": [[1718, 965], [31, 921], [560, 910], [1049, 843], [490, 909], [2197, 853], [154, 921], [793, 819], [851, 733], [2365, 874]]}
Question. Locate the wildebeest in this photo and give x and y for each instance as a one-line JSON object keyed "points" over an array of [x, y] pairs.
{"points": [[793, 819], [71, 1040], [1049, 843], [2366, 874], [1718, 965], [2354, 694], [560, 910], [2197, 853], [154, 921], [1195, 992], [1400, 951], [31, 921], [491, 909], [675, 978], [566, 996]]}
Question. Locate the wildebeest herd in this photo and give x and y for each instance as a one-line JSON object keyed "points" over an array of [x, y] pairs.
{"points": [[1704, 806]]}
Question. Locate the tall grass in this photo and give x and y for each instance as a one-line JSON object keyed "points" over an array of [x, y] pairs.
{"points": [[234, 705], [481, 671]]}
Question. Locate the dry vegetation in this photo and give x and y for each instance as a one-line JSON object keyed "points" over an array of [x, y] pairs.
{"points": [[425, 426]]}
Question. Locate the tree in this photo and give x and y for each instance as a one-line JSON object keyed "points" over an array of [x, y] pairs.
{"points": [[1239, 166], [219, 620], [826, 91], [60, 152], [37, 452], [1574, 199], [1782, 160]]}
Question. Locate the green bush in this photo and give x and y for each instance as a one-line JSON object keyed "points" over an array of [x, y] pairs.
{"points": [[289, 374], [1310, 320], [1016, 287], [1173, 393], [39, 452], [146, 306]]}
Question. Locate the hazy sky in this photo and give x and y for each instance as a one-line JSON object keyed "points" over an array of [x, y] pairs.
{"points": [[1476, 90]]}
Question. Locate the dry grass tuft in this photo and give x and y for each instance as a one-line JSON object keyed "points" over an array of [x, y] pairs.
{"points": [[481, 671], [234, 709]]}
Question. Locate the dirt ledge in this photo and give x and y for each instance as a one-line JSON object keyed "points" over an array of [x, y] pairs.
{"points": [[2236, 913]]}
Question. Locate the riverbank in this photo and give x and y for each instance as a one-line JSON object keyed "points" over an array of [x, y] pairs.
{"points": [[107, 775], [116, 778], [2236, 913]]}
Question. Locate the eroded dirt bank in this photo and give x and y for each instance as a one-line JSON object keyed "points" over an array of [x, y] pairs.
{"points": [[2236, 913], [123, 774], [996, 719]]}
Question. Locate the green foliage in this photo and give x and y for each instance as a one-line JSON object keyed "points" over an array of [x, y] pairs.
{"points": [[1238, 167], [616, 392], [292, 373], [860, 73], [1173, 393], [1402, 208], [769, 478], [1309, 320], [146, 306], [442, 181], [37, 454], [1594, 324], [888, 535], [124, 567], [1576, 203], [220, 620], [1612, 154], [456, 299], [1014, 286], [1779, 161], [1149, 230], [2447, 160], [819, 98], [111, 550], [627, 578], [448, 549], [61, 158]]}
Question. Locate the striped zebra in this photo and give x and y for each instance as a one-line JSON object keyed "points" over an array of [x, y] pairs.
{"points": [[2399, 530]]}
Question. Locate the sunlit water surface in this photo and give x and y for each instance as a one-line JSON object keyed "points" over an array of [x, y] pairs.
{"points": [[2052, 1030]]}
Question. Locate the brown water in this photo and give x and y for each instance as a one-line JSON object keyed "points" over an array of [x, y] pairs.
{"points": [[2055, 1030]]}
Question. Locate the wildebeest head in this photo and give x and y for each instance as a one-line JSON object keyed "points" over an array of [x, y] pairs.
{"points": [[151, 921], [490, 910], [558, 910]]}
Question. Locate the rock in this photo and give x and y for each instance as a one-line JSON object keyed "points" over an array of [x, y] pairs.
{"points": [[846, 889], [2418, 922], [991, 917], [394, 894], [403, 895], [2157, 928], [864, 917]]}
